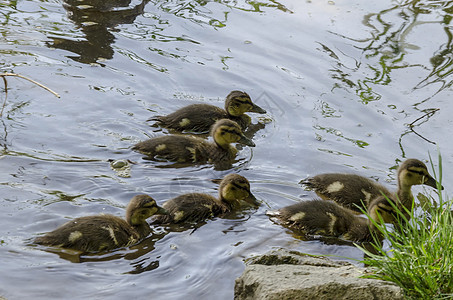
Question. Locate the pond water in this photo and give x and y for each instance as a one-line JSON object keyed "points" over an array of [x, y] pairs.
{"points": [[341, 82]]}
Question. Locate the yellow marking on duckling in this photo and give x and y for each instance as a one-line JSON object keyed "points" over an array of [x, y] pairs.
{"points": [[178, 215], [74, 236], [103, 246], [192, 152], [333, 220], [111, 233], [161, 147], [347, 236], [335, 187], [367, 196], [208, 206], [297, 217], [184, 122], [132, 240]]}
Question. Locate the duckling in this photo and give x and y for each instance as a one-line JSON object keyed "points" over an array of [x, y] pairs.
{"points": [[181, 148], [327, 218], [197, 207], [105, 232], [200, 117], [355, 192]]}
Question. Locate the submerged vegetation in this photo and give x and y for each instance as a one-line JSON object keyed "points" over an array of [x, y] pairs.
{"points": [[420, 259]]}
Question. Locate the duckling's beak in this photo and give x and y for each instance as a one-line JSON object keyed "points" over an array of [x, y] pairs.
{"points": [[252, 200], [246, 141], [432, 182], [161, 211], [257, 109]]}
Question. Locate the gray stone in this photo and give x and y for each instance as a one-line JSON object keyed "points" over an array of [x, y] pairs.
{"points": [[288, 275]]}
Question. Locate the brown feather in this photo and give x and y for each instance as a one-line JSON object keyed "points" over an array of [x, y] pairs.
{"points": [[327, 218], [104, 232], [190, 149], [197, 207], [358, 192], [200, 117]]}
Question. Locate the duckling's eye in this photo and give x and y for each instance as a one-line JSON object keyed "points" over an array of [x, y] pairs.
{"points": [[421, 173]]}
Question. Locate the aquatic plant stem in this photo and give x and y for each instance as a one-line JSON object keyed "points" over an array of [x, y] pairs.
{"points": [[5, 82]]}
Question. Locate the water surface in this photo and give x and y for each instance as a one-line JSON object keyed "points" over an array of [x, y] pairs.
{"points": [[341, 82]]}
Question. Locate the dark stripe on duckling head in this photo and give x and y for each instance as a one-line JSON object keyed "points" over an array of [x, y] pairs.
{"points": [[414, 167], [234, 186], [384, 208], [150, 204], [245, 186], [139, 203], [237, 94], [229, 130], [155, 209], [236, 101], [419, 171], [242, 100], [225, 123], [242, 187], [428, 179], [387, 209], [224, 126], [425, 177]]}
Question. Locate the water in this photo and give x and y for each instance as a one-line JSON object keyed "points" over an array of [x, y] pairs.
{"points": [[340, 80]]}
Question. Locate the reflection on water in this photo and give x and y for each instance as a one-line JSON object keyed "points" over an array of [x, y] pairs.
{"points": [[389, 44], [342, 83], [137, 254], [374, 62], [96, 18]]}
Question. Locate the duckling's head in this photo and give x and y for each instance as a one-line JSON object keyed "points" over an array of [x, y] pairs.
{"points": [[414, 172], [382, 209], [140, 208], [237, 103], [234, 188], [226, 131]]}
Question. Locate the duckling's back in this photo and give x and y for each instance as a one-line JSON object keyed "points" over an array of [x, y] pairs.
{"points": [[349, 190], [316, 217], [194, 117], [193, 207], [177, 148], [180, 148], [91, 234]]}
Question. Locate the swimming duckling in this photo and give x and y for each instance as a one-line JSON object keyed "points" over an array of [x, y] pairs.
{"points": [[105, 232], [355, 192], [197, 207], [327, 218], [200, 117], [181, 148]]}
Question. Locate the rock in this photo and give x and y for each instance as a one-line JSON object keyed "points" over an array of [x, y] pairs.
{"points": [[288, 275]]}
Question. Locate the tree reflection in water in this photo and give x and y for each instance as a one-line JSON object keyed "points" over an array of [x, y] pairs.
{"points": [[387, 42], [389, 46], [96, 19]]}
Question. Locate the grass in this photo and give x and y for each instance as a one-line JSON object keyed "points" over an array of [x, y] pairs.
{"points": [[420, 259]]}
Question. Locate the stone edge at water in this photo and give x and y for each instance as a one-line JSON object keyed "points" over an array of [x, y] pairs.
{"points": [[283, 274]]}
